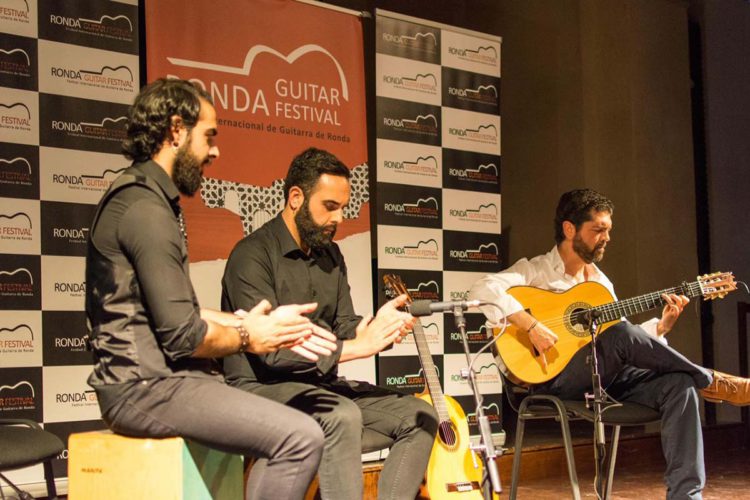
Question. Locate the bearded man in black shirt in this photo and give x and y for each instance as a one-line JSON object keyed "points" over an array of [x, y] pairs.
{"points": [[154, 372], [292, 259]]}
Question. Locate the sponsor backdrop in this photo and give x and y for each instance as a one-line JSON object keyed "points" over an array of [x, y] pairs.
{"points": [[284, 76], [68, 71], [438, 190]]}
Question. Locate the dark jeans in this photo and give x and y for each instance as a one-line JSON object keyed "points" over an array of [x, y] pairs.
{"points": [[227, 419], [636, 367], [343, 409]]}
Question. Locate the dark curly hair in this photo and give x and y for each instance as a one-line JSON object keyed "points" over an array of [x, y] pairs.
{"points": [[577, 206], [308, 166], [150, 116]]}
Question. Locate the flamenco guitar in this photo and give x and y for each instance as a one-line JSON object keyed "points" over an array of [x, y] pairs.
{"points": [[564, 313], [450, 471]]}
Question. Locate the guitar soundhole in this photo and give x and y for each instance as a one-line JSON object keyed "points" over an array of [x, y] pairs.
{"points": [[447, 433], [572, 322]]}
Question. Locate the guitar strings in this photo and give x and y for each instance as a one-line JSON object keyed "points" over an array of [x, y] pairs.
{"points": [[614, 310]]}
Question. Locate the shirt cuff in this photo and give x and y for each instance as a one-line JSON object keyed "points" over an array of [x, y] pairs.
{"points": [[327, 363], [496, 310]]}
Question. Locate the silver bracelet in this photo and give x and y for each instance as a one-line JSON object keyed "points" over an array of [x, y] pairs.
{"points": [[244, 337]]}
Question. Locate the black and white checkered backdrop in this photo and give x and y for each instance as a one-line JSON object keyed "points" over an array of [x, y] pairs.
{"points": [[438, 190], [68, 71]]}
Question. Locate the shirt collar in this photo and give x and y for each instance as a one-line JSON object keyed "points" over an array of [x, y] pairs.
{"points": [[559, 266], [556, 261], [158, 174], [287, 245]]}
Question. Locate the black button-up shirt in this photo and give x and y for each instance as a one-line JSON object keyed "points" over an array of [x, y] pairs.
{"points": [[144, 313], [268, 264]]}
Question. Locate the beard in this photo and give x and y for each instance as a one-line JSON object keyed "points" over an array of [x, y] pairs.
{"points": [[187, 170], [313, 235], [588, 255]]}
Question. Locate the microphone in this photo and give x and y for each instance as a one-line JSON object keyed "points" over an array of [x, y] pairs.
{"points": [[588, 316], [426, 307]]}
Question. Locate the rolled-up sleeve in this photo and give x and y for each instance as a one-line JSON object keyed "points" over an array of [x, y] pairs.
{"points": [[492, 290], [150, 237], [248, 279], [345, 322]]}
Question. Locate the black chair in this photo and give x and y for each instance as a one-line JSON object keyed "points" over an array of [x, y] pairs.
{"points": [[24, 443], [539, 406]]}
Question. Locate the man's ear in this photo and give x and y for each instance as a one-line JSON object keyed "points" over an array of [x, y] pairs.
{"points": [[176, 131], [296, 198], [569, 229]]}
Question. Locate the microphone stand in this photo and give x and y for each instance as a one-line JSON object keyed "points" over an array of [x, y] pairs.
{"points": [[490, 476], [597, 399]]}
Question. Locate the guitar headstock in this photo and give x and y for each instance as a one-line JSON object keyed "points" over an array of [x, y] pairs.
{"points": [[716, 285], [394, 286]]}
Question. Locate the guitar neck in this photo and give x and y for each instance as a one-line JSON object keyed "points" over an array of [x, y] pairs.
{"points": [[624, 308], [430, 372]]}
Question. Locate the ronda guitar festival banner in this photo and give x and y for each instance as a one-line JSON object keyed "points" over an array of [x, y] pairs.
{"points": [[68, 71], [438, 191], [284, 76]]}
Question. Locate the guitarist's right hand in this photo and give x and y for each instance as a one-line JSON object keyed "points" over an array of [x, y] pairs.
{"points": [[375, 334], [542, 337]]}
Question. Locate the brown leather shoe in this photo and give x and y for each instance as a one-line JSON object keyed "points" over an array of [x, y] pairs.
{"points": [[728, 388]]}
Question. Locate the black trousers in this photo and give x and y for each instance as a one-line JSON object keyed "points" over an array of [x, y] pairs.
{"points": [[636, 367], [343, 409], [228, 419]]}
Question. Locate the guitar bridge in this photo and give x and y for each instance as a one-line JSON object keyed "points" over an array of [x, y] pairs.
{"points": [[462, 487]]}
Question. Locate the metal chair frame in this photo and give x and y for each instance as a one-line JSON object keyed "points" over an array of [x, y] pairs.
{"points": [[551, 407]]}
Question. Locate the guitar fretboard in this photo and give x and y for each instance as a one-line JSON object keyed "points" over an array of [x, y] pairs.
{"points": [[430, 372], [623, 308]]}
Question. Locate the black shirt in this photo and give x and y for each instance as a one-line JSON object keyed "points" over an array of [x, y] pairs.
{"points": [[268, 264], [144, 313]]}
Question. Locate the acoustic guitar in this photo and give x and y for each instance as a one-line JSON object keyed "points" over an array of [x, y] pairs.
{"points": [[450, 471], [565, 313]]}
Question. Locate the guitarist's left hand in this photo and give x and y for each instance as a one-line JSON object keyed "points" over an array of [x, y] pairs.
{"points": [[670, 313]]}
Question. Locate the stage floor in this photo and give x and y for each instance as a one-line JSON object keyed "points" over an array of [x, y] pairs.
{"points": [[639, 470], [728, 478]]}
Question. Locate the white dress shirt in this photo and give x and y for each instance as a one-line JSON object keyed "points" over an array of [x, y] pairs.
{"points": [[546, 271]]}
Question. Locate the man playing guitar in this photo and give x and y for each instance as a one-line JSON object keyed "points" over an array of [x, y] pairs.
{"points": [[635, 362]]}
